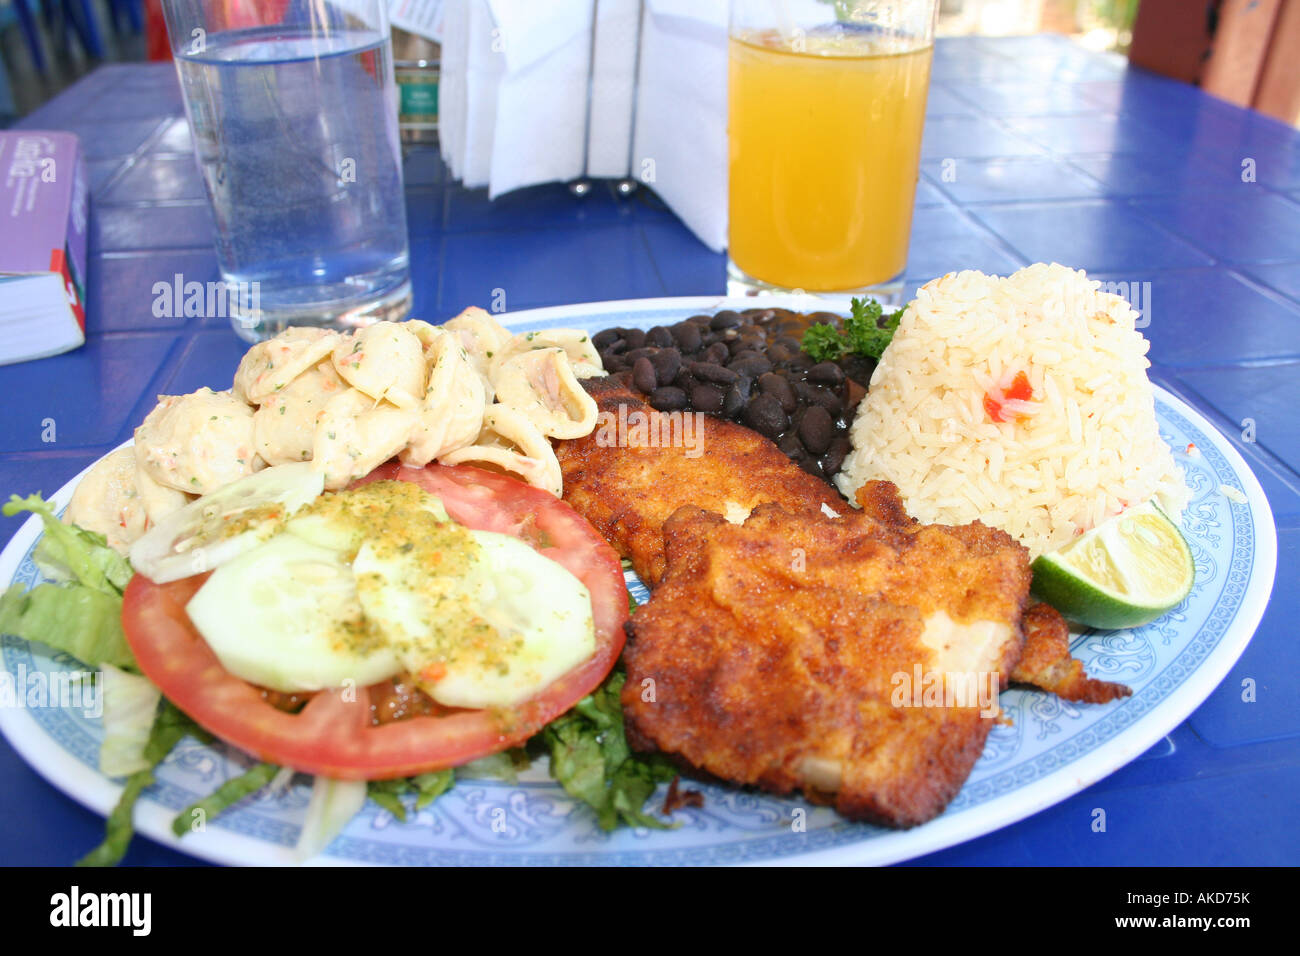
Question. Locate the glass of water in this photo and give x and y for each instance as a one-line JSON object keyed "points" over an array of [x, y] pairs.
{"points": [[293, 109]]}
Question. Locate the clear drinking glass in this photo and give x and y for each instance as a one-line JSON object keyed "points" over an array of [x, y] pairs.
{"points": [[826, 108], [293, 110]]}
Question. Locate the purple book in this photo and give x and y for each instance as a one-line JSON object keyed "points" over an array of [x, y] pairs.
{"points": [[43, 210]]}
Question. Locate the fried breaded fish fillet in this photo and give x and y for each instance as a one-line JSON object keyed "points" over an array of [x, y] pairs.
{"points": [[856, 659], [640, 465], [1045, 662]]}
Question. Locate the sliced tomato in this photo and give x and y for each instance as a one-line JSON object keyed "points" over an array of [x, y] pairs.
{"points": [[333, 734]]}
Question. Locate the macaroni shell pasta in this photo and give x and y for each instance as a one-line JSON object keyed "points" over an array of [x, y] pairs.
{"points": [[482, 337], [271, 365], [385, 361], [355, 434], [451, 415], [198, 442], [284, 427], [511, 443], [540, 384], [576, 344], [108, 502]]}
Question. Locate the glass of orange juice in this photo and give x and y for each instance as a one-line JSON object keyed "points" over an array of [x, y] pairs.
{"points": [[826, 106]]}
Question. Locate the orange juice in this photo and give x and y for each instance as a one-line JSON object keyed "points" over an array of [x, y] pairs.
{"points": [[825, 140]]}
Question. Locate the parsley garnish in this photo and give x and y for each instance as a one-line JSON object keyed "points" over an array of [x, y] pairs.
{"points": [[864, 333]]}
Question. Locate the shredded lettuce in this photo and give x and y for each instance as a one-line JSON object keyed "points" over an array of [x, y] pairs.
{"points": [[130, 703], [427, 787], [82, 617], [71, 618], [67, 552], [168, 728], [333, 803], [590, 758], [499, 766], [224, 797]]}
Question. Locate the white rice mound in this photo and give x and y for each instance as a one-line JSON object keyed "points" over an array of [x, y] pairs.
{"points": [[1081, 450]]}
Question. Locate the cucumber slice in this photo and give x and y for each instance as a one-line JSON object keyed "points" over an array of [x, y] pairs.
{"points": [[212, 530], [537, 616], [285, 615]]}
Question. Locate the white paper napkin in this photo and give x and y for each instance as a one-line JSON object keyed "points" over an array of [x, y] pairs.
{"points": [[613, 88], [680, 145]]}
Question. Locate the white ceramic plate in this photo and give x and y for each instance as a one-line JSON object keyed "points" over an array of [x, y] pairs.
{"points": [[1051, 750]]}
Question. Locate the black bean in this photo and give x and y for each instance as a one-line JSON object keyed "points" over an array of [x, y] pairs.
{"points": [[817, 395], [708, 372], [834, 456], [823, 318], [684, 379], [604, 339], [813, 467], [753, 367], [643, 375], [613, 363], [766, 416], [635, 338], [715, 353], [763, 316], [687, 336], [617, 347], [668, 399], [700, 319], [776, 386], [635, 355], [790, 445], [734, 401], [800, 361], [737, 345], [707, 399], [816, 429], [790, 342], [726, 319], [659, 337], [666, 363], [744, 353], [826, 373], [778, 354]]}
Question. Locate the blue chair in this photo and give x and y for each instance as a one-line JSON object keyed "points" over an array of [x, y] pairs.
{"points": [[27, 23], [59, 15]]}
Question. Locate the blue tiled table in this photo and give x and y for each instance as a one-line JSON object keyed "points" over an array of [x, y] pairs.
{"points": [[1034, 150]]}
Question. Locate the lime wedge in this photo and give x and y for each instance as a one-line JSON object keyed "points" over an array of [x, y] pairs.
{"points": [[1123, 573]]}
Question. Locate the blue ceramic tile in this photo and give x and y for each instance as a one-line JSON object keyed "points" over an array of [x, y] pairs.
{"points": [[424, 211], [426, 270], [927, 194], [1225, 719], [942, 101], [1254, 226], [1280, 483], [423, 166], [1000, 180], [209, 358], [100, 173], [188, 224], [1208, 317], [1096, 236], [1282, 276], [1160, 173], [1027, 98], [684, 265], [106, 140], [1093, 134], [158, 177], [943, 240], [1238, 137], [535, 207], [175, 138], [46, 472], [88, 393], [550, 267], [124, 294], [969, 137], [1267, 395]]}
